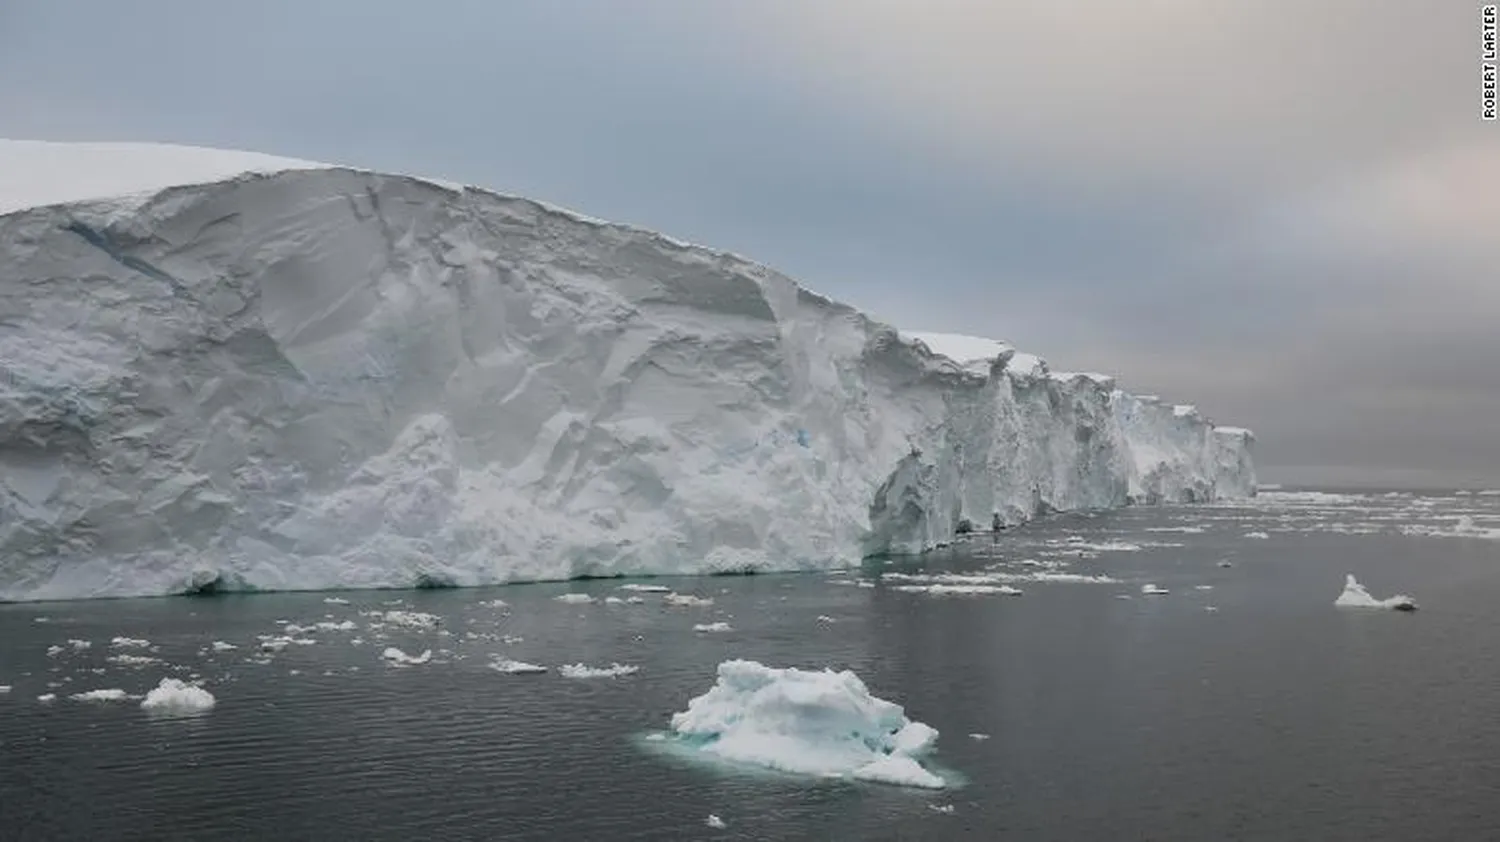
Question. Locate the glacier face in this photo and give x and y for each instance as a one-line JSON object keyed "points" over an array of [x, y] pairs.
{"points": [[329, 378]]}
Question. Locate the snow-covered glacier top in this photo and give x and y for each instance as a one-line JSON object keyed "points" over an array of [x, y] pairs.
{"points": [[231, 370]]}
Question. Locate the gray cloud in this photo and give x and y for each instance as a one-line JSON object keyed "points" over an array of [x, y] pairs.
{"points": [[1280, 211]]}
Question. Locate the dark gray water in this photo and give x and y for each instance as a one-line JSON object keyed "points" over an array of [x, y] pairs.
{"points": [[1274, 716]]}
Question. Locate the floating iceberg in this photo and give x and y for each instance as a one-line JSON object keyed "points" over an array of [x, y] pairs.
{"points": [[713, 627], [398, 658], [1154, 590], [110, 695], [821, 723], [317, 377], [574, 598], [176, 697], [1355, 596], [512, 667]]}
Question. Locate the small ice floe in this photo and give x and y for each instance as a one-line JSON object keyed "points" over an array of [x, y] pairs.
{"points": [[946, 809], [818, 723], [635, 600], [614, 600], [960, 590], [979, 737], [54, 650], [1123, 596], [1224, 562], [4, 688], [114, 694], [574, 598], [222, 646], [1210, 608], [80, 645], [1260, 536], [412, 619], [584, 671], [646, 588], [397, 658], [129, 643], [1186, 530], [1154, 590], [713, 627], [715, 822], [328, 626], [687, 600], [824, 618], [495, 603], [47, 697], [125, 659], [334, 600], [175, 697], [1355, 596], [1203, 587], [512, 667]]}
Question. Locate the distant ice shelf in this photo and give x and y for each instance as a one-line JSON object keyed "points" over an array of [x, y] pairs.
{"points": [[227, 371]]}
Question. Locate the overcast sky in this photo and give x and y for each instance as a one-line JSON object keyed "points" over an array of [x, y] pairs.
{"points": [[1285, 211]]}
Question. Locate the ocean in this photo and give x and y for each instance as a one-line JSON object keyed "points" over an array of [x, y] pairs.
{"points": [[1240, 704]]}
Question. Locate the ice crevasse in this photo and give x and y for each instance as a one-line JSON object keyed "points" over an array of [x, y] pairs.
{"points": [[225, 370]]}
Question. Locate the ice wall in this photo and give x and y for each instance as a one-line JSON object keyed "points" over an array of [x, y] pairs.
{"points": [[330, 378]]}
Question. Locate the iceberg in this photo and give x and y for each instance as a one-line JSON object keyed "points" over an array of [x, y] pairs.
{"points": [[225, 371], [175, 697], [1355, 596], [820, 723]]}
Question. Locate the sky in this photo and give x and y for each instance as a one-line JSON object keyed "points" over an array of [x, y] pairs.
{"points": [[1284, 211]]}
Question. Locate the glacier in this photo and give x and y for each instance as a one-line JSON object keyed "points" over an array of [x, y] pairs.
{"points": [[227, 371]]}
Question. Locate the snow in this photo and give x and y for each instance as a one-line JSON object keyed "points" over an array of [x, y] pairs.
{"points": [[584, 671], [398, 658], [173, 696], [1355, 596], [821, 723], [324, 378], [512, 667], [110, 695], [713, 627]]}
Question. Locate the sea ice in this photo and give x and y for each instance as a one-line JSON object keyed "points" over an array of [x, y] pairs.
{"points": [[712, 627], [4, 688], [173, 696], [1153, 590], [821, 723], [1257, 535], [1355, 596], [646, 588], [687, 600], [715, 822], [47, 697], [125, 659], [584, 671], [130, 643], [574, 598], [334, 600]]}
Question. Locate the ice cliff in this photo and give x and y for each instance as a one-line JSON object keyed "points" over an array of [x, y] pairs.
{"points": [[220, 371]]}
